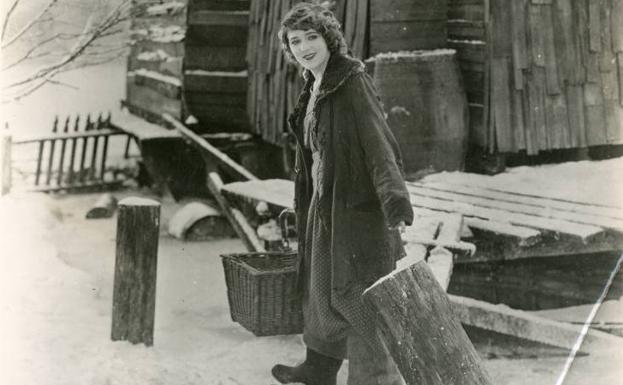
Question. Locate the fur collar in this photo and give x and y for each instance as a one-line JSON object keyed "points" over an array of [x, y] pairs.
{"points": [[339, 69]]}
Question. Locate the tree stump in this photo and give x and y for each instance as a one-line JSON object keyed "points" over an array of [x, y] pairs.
{"points": [[134, 295], [421, 330]]}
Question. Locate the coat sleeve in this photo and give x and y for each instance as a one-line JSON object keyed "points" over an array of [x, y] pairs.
{"points": [[381, 151]]}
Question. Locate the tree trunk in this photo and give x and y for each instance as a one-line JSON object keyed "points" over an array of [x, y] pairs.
{"points": [[134, 295], [421, 331]]}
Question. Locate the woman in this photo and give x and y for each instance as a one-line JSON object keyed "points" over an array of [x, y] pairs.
{"points": [[350, 199]]}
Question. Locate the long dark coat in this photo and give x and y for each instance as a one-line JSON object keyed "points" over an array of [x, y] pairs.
{"points": [[362, 192]]}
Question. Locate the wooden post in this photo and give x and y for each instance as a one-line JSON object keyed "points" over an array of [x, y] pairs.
{"points": [[134, 295], [5, 172], [421, 331]]}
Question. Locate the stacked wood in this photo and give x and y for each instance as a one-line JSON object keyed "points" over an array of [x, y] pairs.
{"points": [[215, 77], [406, 25], [541, 75], [274, 84], [154, 72]]}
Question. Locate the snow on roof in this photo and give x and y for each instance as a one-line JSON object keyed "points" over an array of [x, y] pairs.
{"points": [[240, 74], [169, 8], [394, 56], [158, 76]]}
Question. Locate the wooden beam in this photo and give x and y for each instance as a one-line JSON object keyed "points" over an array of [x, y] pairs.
{"points": [[517, 323], [206, 148], [236, 218]]}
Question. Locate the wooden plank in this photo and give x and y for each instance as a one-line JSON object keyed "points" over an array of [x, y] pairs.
{"points": [[551, 65], [501, 101], [594, 25], [207, 149], [517, 323], [466, 12], [238, 221], [522, 236], [538, 191], [479, 188], [68, 135], [620, 72], [513, 207], [537, 38], [151, 100], [575, 109], [536, 95], [466, 30], [518, 35], [564, 40], [221, 18], [617, 27], [517, 119], [215, 58], [216, 82], [614, 122], [218, 35], [440, 259], [168, 86], [278, 192], [607, 58], [398, 36], [557, 121], [406, 10], [594, 114], [501, 36], [579, 231]]}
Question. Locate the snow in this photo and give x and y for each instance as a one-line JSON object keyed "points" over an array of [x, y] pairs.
{"points": [[158, 76], [57, 275], [398, 55]]}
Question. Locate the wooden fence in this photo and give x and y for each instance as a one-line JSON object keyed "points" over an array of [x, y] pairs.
{"points": [[73, 156]]}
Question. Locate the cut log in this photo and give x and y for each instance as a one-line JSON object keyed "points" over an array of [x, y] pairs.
{"points": [[422, 333], [104, 207], [134, 288]]}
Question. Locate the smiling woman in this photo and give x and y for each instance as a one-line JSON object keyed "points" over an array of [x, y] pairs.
{"points": [[350, 199]]}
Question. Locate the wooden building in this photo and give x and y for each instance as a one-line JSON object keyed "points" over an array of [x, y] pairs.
{"points": [[541, 74], [188, 60]]}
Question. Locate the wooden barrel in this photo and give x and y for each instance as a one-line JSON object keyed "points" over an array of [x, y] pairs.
{"points": [[423, 95], [397, 25]]}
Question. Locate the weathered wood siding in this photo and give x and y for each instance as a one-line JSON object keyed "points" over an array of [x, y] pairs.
{"points": [[154, 77], [215, 77], [541, 74]]}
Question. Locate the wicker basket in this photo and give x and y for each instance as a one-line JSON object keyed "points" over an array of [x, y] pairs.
{"points": [[260, 290]]}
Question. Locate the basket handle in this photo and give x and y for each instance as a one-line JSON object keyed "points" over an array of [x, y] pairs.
{"points": [[283, 223]]}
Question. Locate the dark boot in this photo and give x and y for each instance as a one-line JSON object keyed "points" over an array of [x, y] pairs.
{"points": [[317, 369]]}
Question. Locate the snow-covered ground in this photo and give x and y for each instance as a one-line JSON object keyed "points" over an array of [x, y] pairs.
{"points": [[57, 273], [56, 303]]}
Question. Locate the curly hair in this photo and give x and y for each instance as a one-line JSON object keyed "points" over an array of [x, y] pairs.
{"points": [[316, 16]]}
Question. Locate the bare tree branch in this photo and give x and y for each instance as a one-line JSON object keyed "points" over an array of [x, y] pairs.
{"points": [[5, 24], [72, 60], [28, 25]]}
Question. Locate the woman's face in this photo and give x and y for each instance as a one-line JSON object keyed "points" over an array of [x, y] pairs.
{"points": [[309, 49]]}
